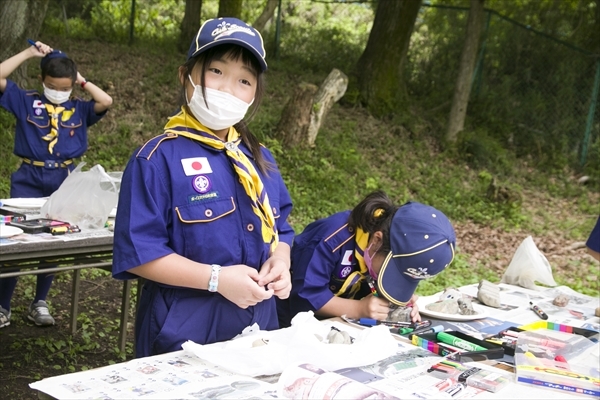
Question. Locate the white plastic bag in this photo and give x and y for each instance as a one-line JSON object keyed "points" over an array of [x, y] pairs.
{"points": [[528, 266], [85, 198]]}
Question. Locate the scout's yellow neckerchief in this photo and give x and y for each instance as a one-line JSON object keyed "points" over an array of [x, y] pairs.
{"points": [[353, 281], [55, 113], [185, 125]]}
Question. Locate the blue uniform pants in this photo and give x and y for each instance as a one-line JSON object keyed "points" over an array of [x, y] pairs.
{"points": [[32, 181]]}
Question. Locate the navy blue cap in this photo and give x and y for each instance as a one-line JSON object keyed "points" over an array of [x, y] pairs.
{"points": [[50, 56], [422, 241], [228, 30]]}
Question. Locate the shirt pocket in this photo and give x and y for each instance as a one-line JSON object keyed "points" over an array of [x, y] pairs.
{"points": [[210, 232], [42, 124]]}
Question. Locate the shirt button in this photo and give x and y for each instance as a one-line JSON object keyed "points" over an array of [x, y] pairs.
{"points": [[57, 154], [274, 211], [250, 227], [208, 213]]}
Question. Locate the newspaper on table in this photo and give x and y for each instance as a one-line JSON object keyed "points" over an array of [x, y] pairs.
{"points": [[303, 342], [515, 309]]}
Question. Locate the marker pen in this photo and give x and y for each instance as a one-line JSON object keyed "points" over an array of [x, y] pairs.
{"points": [[31, 42], [538, 311], [372, 286], [458, 342], [433, 329], [392, 324]]}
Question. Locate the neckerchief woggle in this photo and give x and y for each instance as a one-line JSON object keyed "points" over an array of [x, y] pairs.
{"points": [[186, 125], [353, 281]]}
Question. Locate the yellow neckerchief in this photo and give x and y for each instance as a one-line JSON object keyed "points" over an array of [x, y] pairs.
{"points": [[353, 281], [52, 137], [185, 125]]}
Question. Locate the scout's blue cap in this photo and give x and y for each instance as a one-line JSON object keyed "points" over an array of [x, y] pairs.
{"points": [[422, 241], [228, 30], [50, 56]]}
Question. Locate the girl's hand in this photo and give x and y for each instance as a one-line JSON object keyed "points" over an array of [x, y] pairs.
{"points": [[275, 275], [414, 314], [40, 49], [374, 307], [237, 283]]}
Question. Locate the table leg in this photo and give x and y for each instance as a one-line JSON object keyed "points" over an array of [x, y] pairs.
{"points": [[124, 314], [75, 300]]}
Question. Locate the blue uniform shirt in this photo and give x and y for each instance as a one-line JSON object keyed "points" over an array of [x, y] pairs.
{"points": [[593, 241], [32, 123], [181, 196], [322, 259]]}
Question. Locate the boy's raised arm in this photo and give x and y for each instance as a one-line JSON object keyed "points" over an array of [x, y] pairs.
{"points": [[102, 99], [8, 66]]}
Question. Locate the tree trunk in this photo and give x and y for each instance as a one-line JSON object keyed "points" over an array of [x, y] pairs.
{"points": [[20, 20], [295, 118], [230, 8], [379, 69], [462, 89], [190, 24], [266, 15], [332, 89]]}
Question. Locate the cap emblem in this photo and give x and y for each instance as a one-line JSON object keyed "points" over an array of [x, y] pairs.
{"points": [[417, 273], [226, 29]]}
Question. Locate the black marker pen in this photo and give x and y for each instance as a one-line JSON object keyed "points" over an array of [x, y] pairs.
{"points": [[538, 311]]}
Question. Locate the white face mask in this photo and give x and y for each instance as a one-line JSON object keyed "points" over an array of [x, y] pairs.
{"points": [[224, 110], [56, 96]]}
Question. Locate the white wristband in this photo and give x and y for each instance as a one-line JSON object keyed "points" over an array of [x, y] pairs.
{"points": [[213, 283]]}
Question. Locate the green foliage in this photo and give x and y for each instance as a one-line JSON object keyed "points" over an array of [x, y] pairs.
{"points": [[481, 151]]}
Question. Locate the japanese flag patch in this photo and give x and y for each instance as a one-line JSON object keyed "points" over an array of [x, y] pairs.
{"points": [[38, 104], [196, 166], [347, 260]]}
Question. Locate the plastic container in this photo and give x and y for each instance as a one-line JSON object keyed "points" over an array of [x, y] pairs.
{"points": [[559, 361], [487, 380]]}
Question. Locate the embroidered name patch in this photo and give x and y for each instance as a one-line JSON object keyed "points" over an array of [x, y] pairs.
{"points": [[202, 197]]}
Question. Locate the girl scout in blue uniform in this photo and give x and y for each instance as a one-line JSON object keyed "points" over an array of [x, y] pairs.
{"points": [[203, 209], [51, 130], [357, 263]]}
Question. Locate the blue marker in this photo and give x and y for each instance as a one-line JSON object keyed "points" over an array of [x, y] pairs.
{"points": [[31, 42]]}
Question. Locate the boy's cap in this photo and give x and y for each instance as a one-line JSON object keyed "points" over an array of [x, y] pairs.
{"points": [[50, 56], [422, 241], [228, 30]]}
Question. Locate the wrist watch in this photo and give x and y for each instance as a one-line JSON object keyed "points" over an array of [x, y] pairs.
{"points": [[213, 282]]}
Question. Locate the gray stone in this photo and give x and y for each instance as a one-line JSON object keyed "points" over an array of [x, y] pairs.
{"points": [[561, 300], [446, 306], [399, 314], [465, 307], [489, 294]]}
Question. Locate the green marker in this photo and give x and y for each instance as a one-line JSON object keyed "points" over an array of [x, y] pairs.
{"points": [[404, 331], [458, 342]]}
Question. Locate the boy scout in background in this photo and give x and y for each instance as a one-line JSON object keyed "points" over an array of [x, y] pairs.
{"points": [[51, 130]]}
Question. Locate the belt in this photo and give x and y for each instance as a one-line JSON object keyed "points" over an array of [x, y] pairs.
{"points": [[49, 164]]}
